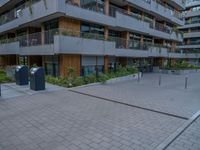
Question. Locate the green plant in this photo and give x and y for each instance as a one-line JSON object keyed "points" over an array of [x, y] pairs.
{"points": [[3, 77], [34, 65], [78, 81], [103, 78], [71, 75], [90, 79]]}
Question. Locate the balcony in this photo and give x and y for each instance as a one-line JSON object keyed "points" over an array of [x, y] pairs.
{"points": [[189, 46], [160, 10], [3, 2], [119, 18], [192, 3], [192, 14], [184, 55], [62, 41], [35, 11], [9, 48], [192, 34]]}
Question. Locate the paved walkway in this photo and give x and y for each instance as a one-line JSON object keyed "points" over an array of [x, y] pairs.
{"points": [[189, 140], [171, 97], [58, 119]]}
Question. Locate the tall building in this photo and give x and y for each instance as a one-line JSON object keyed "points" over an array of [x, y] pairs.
{"points": [[90, 34], [191, 30]]}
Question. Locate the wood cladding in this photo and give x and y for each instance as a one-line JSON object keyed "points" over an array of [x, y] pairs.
{"points": [[69, 24], [67, 61], [106, 63]]}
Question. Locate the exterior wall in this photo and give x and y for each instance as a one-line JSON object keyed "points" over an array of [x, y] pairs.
{"points": [[8, 60], [70, 61]]}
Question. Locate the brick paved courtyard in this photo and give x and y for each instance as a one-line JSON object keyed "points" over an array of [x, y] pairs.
{"points": [[59, 119]]}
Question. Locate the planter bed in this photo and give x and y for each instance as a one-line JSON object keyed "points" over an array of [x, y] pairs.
{"points": [[125, 78], [180, 72]]}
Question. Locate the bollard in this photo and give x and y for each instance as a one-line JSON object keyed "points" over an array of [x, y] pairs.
{"points": [[159, 80], [186, 82], [138, 77]]}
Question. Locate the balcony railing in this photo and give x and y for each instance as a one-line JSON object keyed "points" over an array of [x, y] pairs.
{"points": [[161, 27], [16, 12], [47, 37], [174, 13]]}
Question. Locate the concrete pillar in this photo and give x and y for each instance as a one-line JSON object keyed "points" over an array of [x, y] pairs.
{"points": [[125, 38], [42, 34], [106, 7], [106, 33], [106, 63]]}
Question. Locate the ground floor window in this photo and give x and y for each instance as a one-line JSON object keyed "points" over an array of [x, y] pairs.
{"points": [[51, 65], [87, 70], [91, 64], [23, 60]]}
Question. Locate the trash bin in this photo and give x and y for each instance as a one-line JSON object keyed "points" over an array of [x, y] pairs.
{"points": [[21, 75], [37, 79]]}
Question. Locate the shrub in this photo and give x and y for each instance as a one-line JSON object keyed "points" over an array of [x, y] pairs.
{"points": [[90, 79], [103, 78], [78, 81], [3, 77]]}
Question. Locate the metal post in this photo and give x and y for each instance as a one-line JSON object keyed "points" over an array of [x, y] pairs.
{"points": [[0, 90], [160, 80], [138, 77], [186, 82]]}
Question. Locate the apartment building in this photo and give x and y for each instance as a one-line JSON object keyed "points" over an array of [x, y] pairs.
{"points": [[90, 34], [191, 30]]}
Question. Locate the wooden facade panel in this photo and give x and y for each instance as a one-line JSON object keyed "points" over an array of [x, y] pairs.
{"points": [[67, 61], [69, 24]]}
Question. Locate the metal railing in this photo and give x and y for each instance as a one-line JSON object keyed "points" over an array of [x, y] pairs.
{"points": [[47, 37], [15, 12]]}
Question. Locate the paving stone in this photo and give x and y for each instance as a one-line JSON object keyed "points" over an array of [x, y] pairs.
{"points": [[170, 97], [189, 139], [61, 119]]}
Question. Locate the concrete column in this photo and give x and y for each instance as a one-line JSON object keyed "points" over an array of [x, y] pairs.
{"points": [[106, 63], [142, 16], [106, 33], [125, 37], [154, 22], [106, 7], [42, 34], [142, 41], [153, 41]]}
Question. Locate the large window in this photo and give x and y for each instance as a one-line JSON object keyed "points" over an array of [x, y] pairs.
{"points": [[94, 31], [51, 27]]}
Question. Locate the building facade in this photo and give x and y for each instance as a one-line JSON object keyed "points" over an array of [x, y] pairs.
{"points": [[191, 30], [90, 34]]}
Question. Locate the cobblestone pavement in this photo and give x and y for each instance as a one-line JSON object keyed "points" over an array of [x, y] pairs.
{"points": [[63, 120], [189, 139], [170, 97]]}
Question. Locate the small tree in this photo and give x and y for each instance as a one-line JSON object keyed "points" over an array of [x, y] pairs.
{"points": [[71, 72]]}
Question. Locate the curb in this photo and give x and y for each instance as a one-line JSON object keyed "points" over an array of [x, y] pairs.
{"points": [[178, 132], [111, 81]]}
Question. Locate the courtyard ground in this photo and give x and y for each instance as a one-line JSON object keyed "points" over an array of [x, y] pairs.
{"points": [[120, 116]]}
